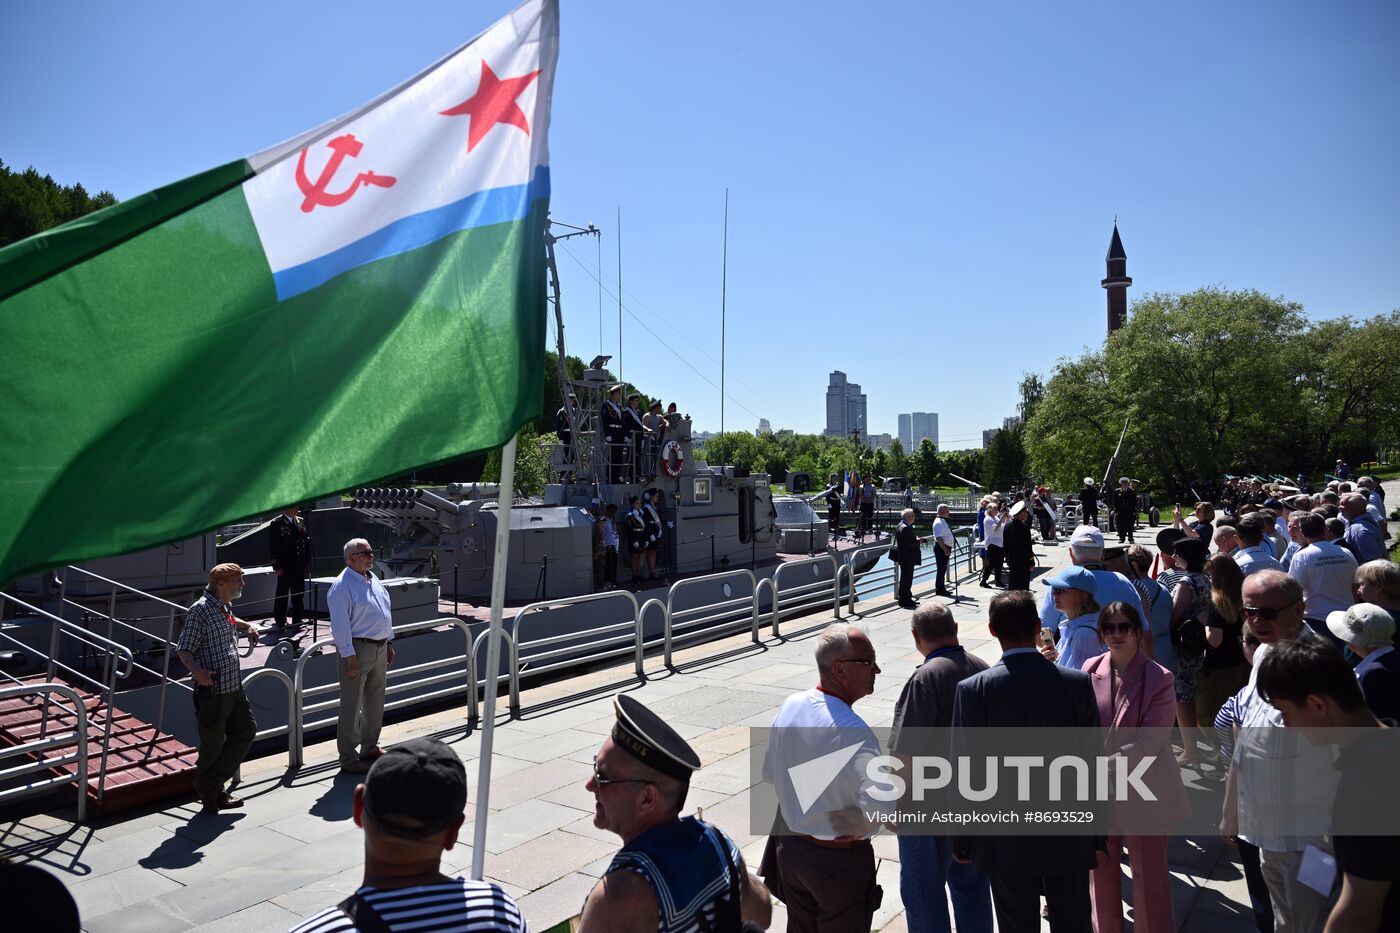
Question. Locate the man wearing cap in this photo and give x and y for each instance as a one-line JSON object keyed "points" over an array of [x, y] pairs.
{"points": [[825, 862], [411, 808], [208, 648], [362, 627], [672, 873], [1368, 630], [1017, 548], [638, 435], [1086, 551], [1089, 502], [562, 423], [1125, 509], [289, 544], [614, 433]]}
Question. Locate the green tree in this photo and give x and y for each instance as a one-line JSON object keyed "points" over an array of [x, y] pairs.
{"points": [[531, 463], [31, 203]]}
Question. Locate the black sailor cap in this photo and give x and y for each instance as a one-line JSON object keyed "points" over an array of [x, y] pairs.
{"points": [[647, 738]]}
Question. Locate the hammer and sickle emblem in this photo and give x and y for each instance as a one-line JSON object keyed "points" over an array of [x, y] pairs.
{"points": [[341, 147]]}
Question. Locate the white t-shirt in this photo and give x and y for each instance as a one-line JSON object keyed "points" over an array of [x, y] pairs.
{"points": [[942, 531], [808, 726], [1257, 558], [1325, 572]]}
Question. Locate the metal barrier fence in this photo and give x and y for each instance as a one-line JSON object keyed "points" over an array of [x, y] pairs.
{"points": [[806, 595], [568, 656], [38, 747], [722, 616], [877, 578]]}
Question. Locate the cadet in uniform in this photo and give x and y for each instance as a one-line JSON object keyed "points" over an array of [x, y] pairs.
{"points": [[672, 873], [1125, 509], [614, 434], [290, 544]]}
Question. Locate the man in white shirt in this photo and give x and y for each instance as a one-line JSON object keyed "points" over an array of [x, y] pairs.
{"points": [[1324, 571], [943, 544], [994, 528], [363, 629], [826, 868], [1269, 777], [1254, 554]]}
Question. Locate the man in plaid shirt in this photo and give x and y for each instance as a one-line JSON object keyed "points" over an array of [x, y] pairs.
{"points": [[209, 648]]}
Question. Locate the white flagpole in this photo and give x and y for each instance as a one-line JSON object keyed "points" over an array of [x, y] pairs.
{"points": [[493, 655]]}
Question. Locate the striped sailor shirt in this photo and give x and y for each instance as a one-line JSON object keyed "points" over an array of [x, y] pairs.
{"points": [[458, 905]]}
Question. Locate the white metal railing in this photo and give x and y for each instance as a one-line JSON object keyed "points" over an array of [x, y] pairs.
{"points": [[167, 643], [115, 661], [712, 619], [38, 748], [293, 748], [806, 595], [541, 662]]}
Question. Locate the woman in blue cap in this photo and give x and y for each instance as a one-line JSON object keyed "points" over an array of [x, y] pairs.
{"points": [[1073, 590]]}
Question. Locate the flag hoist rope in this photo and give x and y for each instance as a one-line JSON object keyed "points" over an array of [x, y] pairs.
{"points": [[493, 656]]}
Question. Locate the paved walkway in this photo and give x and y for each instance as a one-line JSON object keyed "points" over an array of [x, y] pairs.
{"points": [[293, 849]]}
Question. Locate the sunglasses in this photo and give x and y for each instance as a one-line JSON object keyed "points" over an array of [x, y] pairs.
{"points": [[1119, 628], [1264, 612], [361, 553], [869, 661], [602, 782]]}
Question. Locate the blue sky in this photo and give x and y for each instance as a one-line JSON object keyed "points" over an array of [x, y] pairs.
{"points": [[921, 194]]}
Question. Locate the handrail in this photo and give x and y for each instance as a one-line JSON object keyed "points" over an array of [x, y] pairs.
{"points": [[767, 584], [807, 590], [672, 612], [129, 589], [540, 606], [80, 755], [495, 681], [300, 709], [293, 748], [79, 633]]}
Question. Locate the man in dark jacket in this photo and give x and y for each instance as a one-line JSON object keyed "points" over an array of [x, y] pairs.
{"points": [[1089, 502], [1017, 547], [908, 556], [614, 434], [290, 545], [1022, 690], [1125, 509]]}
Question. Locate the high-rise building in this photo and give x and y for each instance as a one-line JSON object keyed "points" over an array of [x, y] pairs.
{"points": [[764, 427], [845, 408], [881, 441], [914, 427], [1007, 424]]}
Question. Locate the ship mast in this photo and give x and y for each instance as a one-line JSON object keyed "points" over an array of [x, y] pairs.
{"points": [[550, 238]]}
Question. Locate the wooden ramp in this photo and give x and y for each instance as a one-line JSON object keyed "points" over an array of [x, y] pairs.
{"points": [[143, 764]]}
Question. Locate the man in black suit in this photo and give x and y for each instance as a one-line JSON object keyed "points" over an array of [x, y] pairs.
{"points": [[290, 545], [1089, 502], [908, 556], [1016, 547], [614, 434], [1025, 689]]}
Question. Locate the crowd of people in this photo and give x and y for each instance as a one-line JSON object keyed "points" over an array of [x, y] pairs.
{"points": [[631, 437]]}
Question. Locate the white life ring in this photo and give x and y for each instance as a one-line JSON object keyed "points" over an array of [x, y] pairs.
{"points": [[671, 459]]}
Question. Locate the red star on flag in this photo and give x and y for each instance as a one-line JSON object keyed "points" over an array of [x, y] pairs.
{"points": [[493, 102]]}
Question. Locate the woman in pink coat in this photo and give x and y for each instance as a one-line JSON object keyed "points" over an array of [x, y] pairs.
{"points": [[1137, 705]]}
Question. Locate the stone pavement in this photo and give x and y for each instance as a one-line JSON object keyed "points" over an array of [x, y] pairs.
{"points": [[294, 849]]}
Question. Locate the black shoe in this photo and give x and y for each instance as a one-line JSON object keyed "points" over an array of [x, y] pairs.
{"points": [[904, 605], [944, 593]]}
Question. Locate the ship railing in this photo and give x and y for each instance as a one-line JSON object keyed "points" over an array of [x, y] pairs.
{"points": [[878, 579], [42, 747], [398, 680], [166, 644], [713, 620], [293, 748], [791, 596], [115, 663], [622, 638]]}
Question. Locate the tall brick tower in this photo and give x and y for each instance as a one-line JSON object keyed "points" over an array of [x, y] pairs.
{"points": [[1117, 282]]}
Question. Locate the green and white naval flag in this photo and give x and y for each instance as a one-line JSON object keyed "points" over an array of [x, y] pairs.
{"points": [[360, 301]]}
